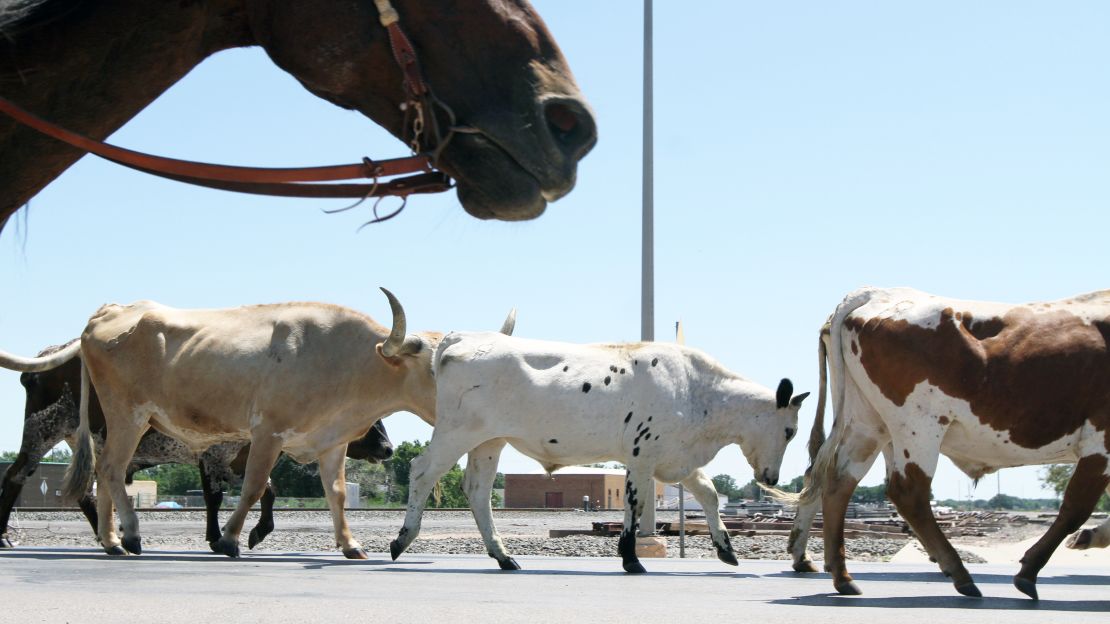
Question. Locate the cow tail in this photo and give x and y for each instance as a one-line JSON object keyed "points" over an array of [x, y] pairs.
{"points": [[79, 476], [817, 434], [823, 453]]}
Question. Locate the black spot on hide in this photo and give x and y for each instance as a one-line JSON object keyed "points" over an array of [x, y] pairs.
{"points": [[622, 371], [655, 361], [565, 368], [628, 418], [608, 379], [553, 441], [586, 387], [636, 452], [650, 417], [612, 369], [656, 437]]}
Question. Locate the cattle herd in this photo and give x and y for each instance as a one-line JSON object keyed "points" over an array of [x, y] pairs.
{"points": [[912, 376]]}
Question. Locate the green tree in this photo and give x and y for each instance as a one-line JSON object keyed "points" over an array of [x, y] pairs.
{"points": [[8, 456], [726, 485], [172, 479], [870, 494], [1057, 476], [449, 492], [796, 484]]}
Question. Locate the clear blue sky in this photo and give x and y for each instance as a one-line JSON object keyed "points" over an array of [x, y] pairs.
{"points": [[802, 150]]}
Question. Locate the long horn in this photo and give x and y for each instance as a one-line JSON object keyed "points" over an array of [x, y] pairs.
{"points": [[39, 364], [510, 323], [392, 345]]}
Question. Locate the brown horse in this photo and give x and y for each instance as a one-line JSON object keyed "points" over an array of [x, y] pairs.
{"points": [[91, 66]]}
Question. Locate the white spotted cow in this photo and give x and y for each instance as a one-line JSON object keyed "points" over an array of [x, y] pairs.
{"points": [[989, 385], [306, 378], [663, 410]]}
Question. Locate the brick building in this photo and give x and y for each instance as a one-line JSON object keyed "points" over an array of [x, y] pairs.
{"points": [[565, 488]]}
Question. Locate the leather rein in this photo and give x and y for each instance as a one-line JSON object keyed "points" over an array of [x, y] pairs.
{"points": [[419, 109]]}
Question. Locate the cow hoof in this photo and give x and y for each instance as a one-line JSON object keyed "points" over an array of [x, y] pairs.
{"points": [[116, 551], [634, 567], [231, 549], [4, 542], [395, 549], [508, 563], [847, 588], [1026, 586], [805, 567], [134, 545], [1081, 540], [728, 557], [213, 546], [355, 553], [255, 538], [969, 589]]}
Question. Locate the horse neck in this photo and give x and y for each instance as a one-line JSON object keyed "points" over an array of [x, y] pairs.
{"points": [[96, 68]]}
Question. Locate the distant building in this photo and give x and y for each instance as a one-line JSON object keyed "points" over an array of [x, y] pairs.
{"points": [[48, 477], [670, 500], [566, 487], [44, 488]]}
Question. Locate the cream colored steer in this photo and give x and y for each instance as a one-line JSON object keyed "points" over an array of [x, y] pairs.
{"points": [[305, 378], [663, 410]]}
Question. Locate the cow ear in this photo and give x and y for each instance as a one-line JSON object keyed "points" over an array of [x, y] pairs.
{"points": [[782, 395], [797, 401]]}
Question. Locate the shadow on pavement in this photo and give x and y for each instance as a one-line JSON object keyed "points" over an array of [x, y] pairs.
{"points": [[944, 602]]}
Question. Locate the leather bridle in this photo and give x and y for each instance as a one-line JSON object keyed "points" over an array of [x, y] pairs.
{"points": [[419, 109]]}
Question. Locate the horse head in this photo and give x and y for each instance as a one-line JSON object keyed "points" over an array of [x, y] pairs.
{"points": [[512, 122]]}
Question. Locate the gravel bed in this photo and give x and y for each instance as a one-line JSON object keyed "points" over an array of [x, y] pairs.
{"points": [[442, 532]]}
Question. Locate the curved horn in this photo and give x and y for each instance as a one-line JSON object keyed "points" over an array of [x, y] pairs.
{"points": [[510, 323], [39, 364], [392, 345]]}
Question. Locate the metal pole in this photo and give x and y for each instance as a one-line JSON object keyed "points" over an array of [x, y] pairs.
{"points": [[647, 241]]}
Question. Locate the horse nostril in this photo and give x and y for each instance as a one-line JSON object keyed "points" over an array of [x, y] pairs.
{"points": [[571, 124]]}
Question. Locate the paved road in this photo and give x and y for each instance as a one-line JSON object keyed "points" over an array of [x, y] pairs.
{"points": [[59, 585]]}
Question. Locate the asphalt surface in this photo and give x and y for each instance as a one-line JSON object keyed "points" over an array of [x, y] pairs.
{"points": [[59, 585]]}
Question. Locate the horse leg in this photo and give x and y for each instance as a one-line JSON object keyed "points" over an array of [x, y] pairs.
{"points": [[265, 524], [909, 485], [1084, 489], [265, 449], [441, 454], [481, 470], [213, 498], [333, 477], [638, 485], [701, 486]]}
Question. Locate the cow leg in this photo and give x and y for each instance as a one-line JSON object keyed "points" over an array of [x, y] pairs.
{"points": [[441, 454], [1084, 489], [333, 476], [265, 449], [213, 498], [858, 452], [21, 469], [265, 524], [111, 470], [908, 487], [105, 509], [799, 536], [702, 488], [481, 470], [638, 486]]}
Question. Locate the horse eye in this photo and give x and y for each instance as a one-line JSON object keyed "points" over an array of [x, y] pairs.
{"points": [[789, 433]]}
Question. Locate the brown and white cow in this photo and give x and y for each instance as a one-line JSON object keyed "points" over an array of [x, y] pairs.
{"points": [[306, 378], [989, 385]]}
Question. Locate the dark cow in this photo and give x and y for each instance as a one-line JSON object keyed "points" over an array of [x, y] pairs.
{"points": [[51, 416], [989, 385]]}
